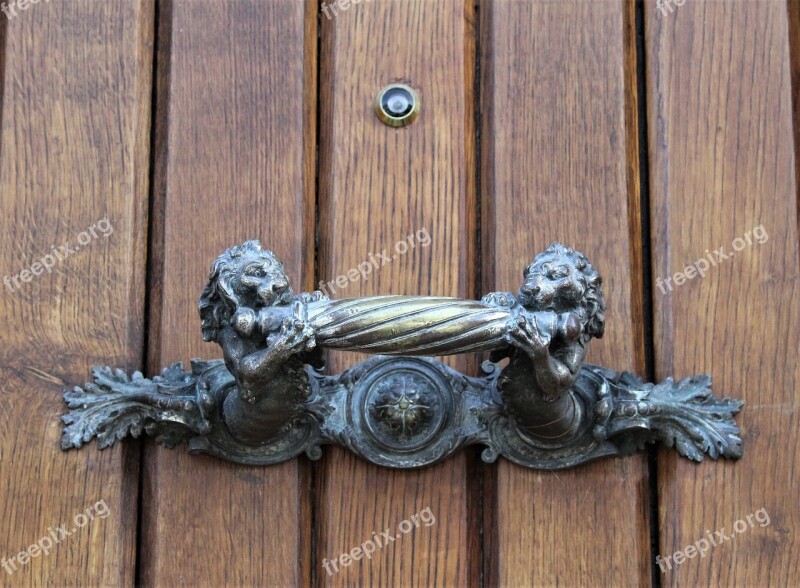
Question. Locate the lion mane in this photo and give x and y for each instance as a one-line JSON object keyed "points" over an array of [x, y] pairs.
{"points": [[219, 300], [593, 302]]}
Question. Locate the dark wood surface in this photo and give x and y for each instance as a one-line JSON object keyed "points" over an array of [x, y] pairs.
{"points": [[234, 144], [722, 162], [74, 150], [559, 163], [378, 185], [193, 125]]}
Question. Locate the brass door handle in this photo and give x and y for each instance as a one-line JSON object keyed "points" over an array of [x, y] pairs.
{"points": [[268, 401]]}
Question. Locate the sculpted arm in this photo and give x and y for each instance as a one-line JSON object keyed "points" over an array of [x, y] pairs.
{"points": [[554, 373], [553, 344], [254, 366]]}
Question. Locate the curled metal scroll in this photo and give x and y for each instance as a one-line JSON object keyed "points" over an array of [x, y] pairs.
{"points": [[268, 400]]}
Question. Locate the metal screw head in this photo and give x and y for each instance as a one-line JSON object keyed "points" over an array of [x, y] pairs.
{"points": [[397, 105]]}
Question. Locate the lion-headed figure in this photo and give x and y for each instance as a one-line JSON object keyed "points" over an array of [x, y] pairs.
{"points": [[243, 277], [562, 280]]}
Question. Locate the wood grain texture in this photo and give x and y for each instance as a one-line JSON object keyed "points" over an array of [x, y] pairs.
{"points": [[378, 185], [722, 163], [559, 163], [235, 161], [74, 150]]}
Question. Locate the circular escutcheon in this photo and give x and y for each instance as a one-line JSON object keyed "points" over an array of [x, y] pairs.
{"points": [[402, 408]]}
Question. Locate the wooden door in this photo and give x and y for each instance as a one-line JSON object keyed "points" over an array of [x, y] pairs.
{"points": [[647, 135]]}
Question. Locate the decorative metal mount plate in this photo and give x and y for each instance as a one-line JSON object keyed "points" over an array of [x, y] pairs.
{"points": [[268, 400]]}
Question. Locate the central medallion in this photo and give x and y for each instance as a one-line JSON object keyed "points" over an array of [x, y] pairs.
{"points": [[406, 406], [403, 409]]}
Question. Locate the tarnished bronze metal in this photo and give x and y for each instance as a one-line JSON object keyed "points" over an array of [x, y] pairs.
{"points": [[267, 400]]}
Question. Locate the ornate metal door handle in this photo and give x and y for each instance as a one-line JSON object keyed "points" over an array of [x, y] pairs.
{"points": [[267, 401]]}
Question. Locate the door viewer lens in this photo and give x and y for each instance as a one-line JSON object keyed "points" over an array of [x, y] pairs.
{"points": [[397, 105]]}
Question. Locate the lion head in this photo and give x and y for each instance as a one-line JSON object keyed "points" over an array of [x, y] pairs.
{"points": [[244, 276], [561, 279]]}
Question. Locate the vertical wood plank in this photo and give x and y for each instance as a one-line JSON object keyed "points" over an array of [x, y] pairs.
{"points": [[378, 185], [74, 150], [235, 161], [722, 163], [559, 163]]}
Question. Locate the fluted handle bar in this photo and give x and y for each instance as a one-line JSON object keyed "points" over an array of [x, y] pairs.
{"points": [[409, 325]]}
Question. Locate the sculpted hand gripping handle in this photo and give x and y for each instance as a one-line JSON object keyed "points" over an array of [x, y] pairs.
{"points": [[268, 400]]}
